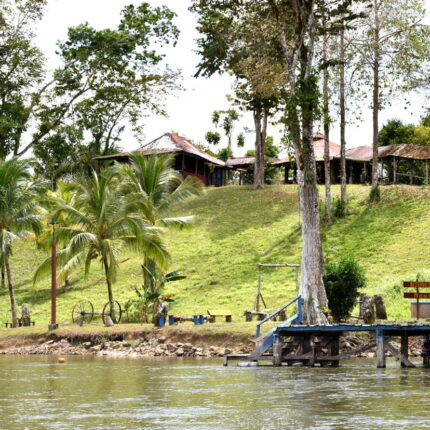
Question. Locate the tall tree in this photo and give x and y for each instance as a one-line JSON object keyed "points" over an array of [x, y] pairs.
{"points": [[231, 45], [19, 215], [383, 67], [107, 78]]}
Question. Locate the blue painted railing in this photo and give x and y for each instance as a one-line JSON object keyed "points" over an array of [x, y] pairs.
{"points": [[265, 341], [298, 316]]}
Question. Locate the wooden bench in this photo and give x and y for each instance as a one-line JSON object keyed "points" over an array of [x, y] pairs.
{"points": [[261, 315], [9, 324], [220, 313]]}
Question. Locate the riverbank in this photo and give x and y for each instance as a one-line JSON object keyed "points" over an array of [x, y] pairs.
{"points": [[214, 340]]}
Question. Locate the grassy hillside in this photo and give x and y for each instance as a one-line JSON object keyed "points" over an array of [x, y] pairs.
{"points": [[236, 228]]}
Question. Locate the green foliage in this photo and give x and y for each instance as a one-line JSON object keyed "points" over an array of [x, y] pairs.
{"points": [[107, 79], [342, 281], [339, 208], [241, 140], [395, 132], [213, 137], [375, 195]]}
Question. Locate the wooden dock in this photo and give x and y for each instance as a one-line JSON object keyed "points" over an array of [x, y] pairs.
{"points": [[311, 345]]}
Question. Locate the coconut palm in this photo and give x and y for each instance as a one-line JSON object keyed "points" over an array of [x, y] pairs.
{"points": [[153, 187], [19, 214], [98, 225]]}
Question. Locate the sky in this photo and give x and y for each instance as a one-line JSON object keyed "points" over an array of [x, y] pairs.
{"points": [[190, 110]]}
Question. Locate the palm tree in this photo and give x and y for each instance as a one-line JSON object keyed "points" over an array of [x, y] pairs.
{"points": [[98, 224], [20, 213], [153, 187]]}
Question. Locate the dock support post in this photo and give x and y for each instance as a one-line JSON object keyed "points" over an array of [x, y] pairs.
{"points": [[380, 348], [334, 349], [426, 360], [308, 347], [277, 350], [404, 347]]}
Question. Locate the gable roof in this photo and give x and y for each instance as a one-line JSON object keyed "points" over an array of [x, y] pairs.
{"points": [[240, 161], [359, 153], [168, 143]]}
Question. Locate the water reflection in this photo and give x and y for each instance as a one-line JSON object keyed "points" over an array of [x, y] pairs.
{"points": [[98, 393]]}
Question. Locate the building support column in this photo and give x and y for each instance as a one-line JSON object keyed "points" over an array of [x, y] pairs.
{"points": [[395, 170]]}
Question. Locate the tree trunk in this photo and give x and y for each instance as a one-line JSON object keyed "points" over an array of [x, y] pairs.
{"points": [[109, 288], [299, 62], [326, 120], [3, 277], [259, 166], [11, 294], [375, 104], [342, 122]]}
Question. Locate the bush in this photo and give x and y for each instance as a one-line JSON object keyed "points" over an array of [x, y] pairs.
{"points": [[375, 195], [339, 208], [342, 281]]}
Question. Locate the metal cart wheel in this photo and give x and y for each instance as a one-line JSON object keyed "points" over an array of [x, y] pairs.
{"points": [[116, 312], [84, 310]]}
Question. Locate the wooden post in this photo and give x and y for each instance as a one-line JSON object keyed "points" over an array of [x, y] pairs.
{"points": [[404, 347], [307, 347], [427, 173], [395, 169], [334, 349], [426, 360], [277, 351], [380, 348], [257, 299]]}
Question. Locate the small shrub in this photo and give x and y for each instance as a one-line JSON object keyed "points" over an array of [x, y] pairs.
{"points": [[342, 281], [375, 195], [339, 208]]}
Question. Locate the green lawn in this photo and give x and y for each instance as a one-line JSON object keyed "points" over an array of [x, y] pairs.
{"points": [[236, 228]]}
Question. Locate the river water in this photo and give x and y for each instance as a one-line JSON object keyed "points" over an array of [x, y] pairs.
{"points": [[101, 393]]}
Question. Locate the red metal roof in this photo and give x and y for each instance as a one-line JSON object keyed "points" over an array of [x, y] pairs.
{"points": [[360, 153], [168, 143], [334, 150], [240, 161]]}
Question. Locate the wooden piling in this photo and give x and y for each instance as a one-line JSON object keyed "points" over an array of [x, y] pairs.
{"points": [[334, 349], [404, 347], [277, 351], [380, 349]]}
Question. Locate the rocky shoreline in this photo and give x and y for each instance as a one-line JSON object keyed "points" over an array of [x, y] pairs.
{"points": [[161, 346], [126, 348]]}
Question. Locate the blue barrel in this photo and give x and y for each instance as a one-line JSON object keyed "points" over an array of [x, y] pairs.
{"points": [[196, 319], [201, 319], [161, 322], [171, 320]]}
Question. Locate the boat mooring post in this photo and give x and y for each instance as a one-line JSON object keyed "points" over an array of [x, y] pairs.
{"points": [[53, 325]]}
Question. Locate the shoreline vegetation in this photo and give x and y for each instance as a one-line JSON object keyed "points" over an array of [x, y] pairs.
{"points": [[386, 239], [214, 340]]}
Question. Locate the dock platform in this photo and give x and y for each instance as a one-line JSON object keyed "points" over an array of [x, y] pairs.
{"points": [[311, 344]]}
